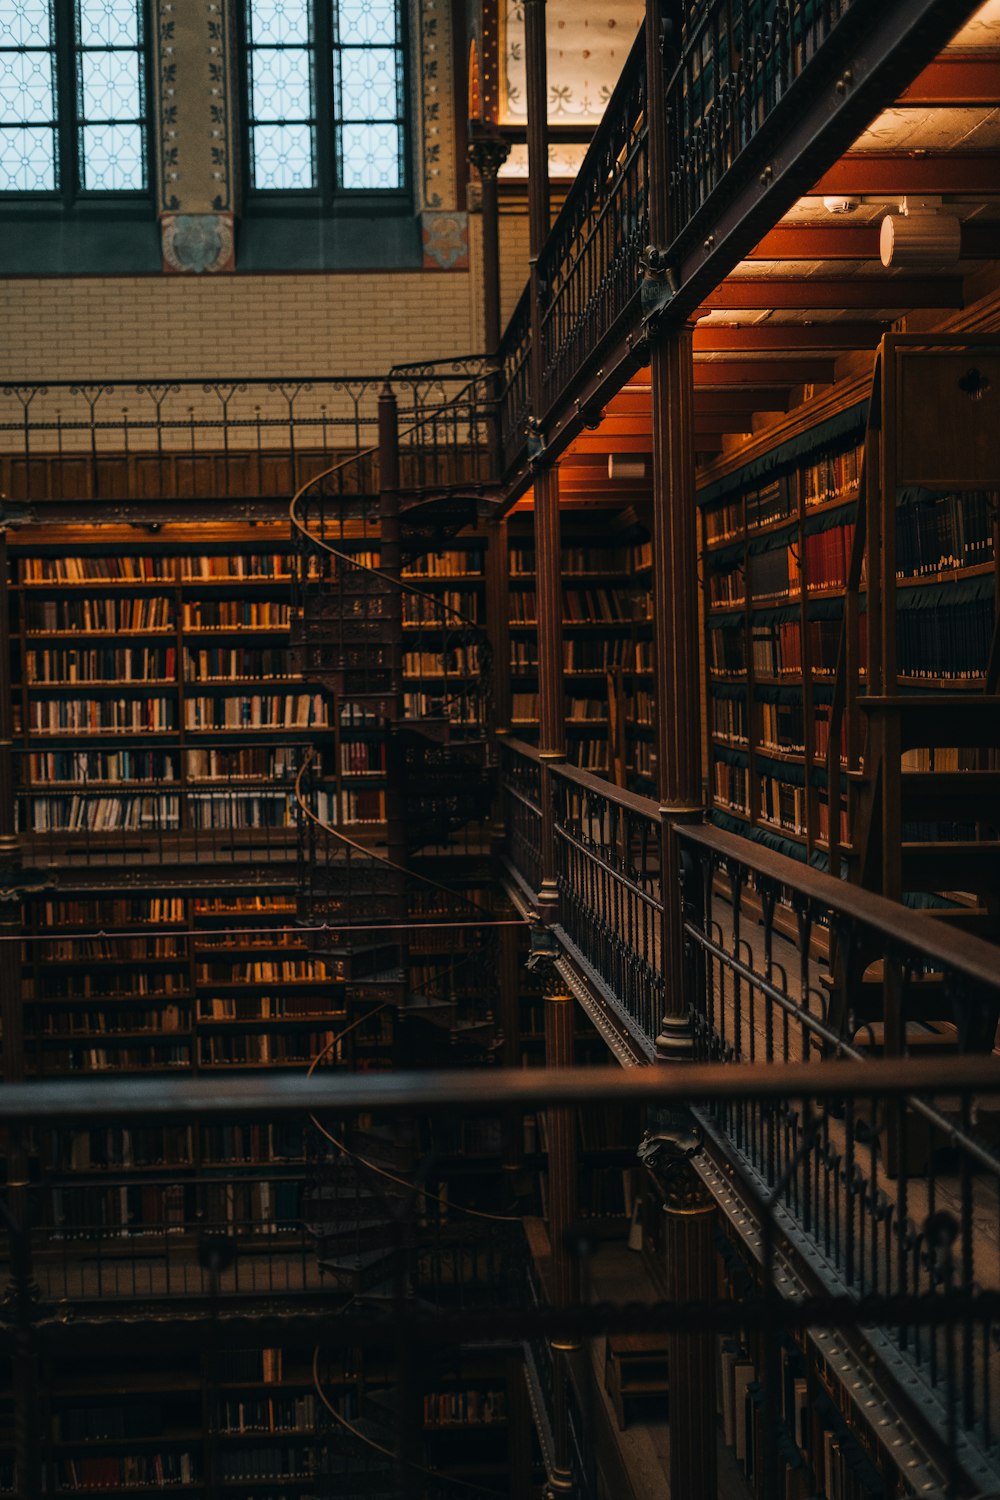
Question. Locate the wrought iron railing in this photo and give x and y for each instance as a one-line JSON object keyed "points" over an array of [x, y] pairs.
{"points": [[736, 76], [785, 965], [175, 439], [589, 266]]}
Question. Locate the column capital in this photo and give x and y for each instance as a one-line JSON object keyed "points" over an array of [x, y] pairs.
{"points": [[488, 149]]}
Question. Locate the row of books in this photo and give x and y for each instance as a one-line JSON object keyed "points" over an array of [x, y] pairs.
{"points": [[83, 569], [783, 805], [264, 971], [420, 610], [246, 1413], [524, 655], [935, 533], [102, 715], [235, 614], [591, 754], [464, 709], [117, 912], [362, 757], [782, 726], [126, 814], [777, 647], [229, 1050], [120, 1146], [266, 1008], [114, 950], [221, 663], [728, 719], [588, 655], [95, 766], [80, 984], [142, 615], [834, 476], [256, 711], [366, 806], [237, 565], [829, 477], [449, 564], [125, 1471], [99, 664], [730, 785], [461, 661], [597, 604], [951, 641], [68, 1023], [133, 1059], [461, 1408]]}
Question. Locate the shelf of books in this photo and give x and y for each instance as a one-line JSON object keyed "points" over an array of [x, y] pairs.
{"points": [[440, 663], [776, 547], [607, 646], [240, 1420], [776, 550]]}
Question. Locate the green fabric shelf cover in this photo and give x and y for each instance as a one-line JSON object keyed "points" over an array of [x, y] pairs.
{"points": [[778, 615], [772, 692], [728, 690], [829, 520], [829, 434], [725, 558], [731, 757], [934, 595], [724, 622], [780, 537]]}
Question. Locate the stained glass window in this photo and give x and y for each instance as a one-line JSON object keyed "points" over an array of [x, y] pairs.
{"points": [[325, 94], [78, 123]]}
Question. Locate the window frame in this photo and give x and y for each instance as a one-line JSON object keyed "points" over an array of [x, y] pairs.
{"points": [[328, 196], [69, 194]]}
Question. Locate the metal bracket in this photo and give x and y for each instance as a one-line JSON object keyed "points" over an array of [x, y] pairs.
{"points": [[658, 287]]}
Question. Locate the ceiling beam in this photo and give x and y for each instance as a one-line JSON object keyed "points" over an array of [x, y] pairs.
{"points": [[847, 292], [786, 336], [890, 172], [764, 372], [967, 78], [770, 398], [858, 242]]}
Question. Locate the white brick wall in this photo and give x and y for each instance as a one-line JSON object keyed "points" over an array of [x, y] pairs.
{"points": [[69, 328]]}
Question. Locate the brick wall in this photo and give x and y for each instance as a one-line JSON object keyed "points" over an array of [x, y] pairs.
{"points": [[172, 326]]}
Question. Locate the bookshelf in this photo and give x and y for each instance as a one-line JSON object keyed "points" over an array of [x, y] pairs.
{"points": [[777, 537], [776, 546], [607, 644]]}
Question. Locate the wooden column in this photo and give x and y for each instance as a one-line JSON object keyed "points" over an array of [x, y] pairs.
{"points": [[510, 1057], [675, 612], [391, 562], [539, 222], [488, 151], [675, 559], [551, 694], [691, 1275], [560, 1130]]}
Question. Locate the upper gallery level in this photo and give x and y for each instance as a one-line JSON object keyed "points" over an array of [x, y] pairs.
{"points": [[795, 179]]}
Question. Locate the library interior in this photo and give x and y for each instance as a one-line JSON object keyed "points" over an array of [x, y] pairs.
{"points": [[499, 690]]}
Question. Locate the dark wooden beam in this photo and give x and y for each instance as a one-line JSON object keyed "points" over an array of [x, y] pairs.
{"points": [[755, 373], [849, 292], [968, 78], [892, 172], [772, 398], [858, 242], [791, 336]]}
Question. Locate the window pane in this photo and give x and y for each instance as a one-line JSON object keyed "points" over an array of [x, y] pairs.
{"points": [[282, 84], [282, 156], [108, 23], [370, 156], [26, 95], [368, 83], [109, 86], [112, 158], [284, 22], [368, 93], [27, 159], [25, 23], [110, 104], [367, 22]]}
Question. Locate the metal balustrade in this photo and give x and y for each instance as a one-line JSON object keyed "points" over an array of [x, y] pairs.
{"points": [[736, 76], [175, 439], [589, 266]]}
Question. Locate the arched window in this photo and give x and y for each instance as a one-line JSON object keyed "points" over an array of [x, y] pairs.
{"points": [[325, 95], [72, 97]]}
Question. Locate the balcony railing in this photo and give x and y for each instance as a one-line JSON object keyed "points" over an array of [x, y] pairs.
{"points": [[785, 965], [736, 76]]}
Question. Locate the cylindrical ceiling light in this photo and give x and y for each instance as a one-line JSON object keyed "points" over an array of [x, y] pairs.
{"points": [[919, 240], [623, 466]]}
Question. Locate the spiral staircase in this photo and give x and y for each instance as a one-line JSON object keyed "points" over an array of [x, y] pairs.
{"points": [[412, 962]]}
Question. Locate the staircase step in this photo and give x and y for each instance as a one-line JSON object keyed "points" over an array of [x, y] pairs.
{"points": [[965, 796], [929, 720], [960, 866]]}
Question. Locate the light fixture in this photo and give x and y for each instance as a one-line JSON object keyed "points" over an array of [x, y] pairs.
{"points": [[921, 238], [840, 205], [621, 466]]}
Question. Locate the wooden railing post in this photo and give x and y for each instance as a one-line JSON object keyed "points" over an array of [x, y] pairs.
{"points": [[551, 704]]}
